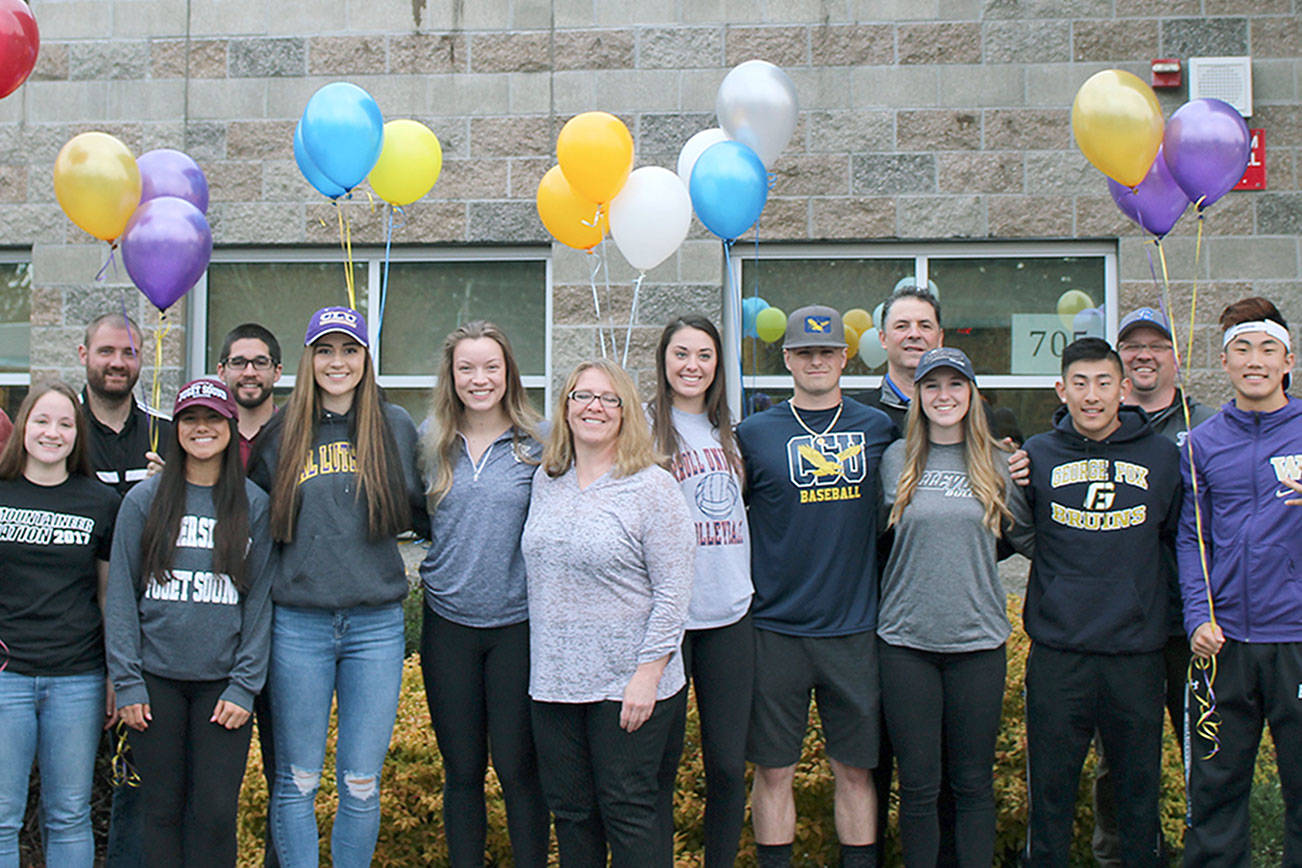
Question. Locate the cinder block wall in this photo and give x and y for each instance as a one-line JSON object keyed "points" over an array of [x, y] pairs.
{"points": [[921, 119]]}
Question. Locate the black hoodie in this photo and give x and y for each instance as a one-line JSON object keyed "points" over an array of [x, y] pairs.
{"points": [[1103, 512]]}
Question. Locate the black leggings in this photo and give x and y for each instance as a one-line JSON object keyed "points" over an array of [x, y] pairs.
{"points": [[190, 775], [721, 664], [477, 686], [926, 693]]}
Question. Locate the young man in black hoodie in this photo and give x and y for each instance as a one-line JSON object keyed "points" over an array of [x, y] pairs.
{"points": [[1105, 494]]}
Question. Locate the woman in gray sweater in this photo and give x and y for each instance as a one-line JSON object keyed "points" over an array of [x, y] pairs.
{"points": [[608, 551]]}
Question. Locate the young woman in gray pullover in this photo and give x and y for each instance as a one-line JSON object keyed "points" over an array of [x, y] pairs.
{"points": [[187, 626], [608, 549], [480, 452]]}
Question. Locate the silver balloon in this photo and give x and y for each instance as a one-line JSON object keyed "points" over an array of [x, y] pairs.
{"points": [[756, 106]]}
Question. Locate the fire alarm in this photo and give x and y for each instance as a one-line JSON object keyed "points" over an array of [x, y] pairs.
{"points": [[1166, 72]]}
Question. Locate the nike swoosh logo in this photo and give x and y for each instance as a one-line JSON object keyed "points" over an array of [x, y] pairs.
{"points": [[1287, 492]]}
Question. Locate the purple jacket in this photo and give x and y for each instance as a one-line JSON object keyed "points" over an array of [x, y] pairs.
{"points": [[1253, 541]]}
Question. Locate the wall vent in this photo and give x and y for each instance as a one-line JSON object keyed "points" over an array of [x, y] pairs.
{"points": [[1224, 78]]}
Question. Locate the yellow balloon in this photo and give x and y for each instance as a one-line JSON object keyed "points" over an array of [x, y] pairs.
{"points": [[851, 342], [1070, 303], [595, 151], [1118, 125], [97, 183], [770, 324], [410, 161], [567, 214], [858, 319]]}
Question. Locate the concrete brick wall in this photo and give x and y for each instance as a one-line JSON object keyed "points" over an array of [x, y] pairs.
{"points": [[921, 119]]}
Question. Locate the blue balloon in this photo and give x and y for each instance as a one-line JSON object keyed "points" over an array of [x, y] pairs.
{"points": [[343, 132], [750, 308], [729, 188], [309, 169]]}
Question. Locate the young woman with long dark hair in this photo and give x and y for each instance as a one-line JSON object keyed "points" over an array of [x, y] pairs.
{"points": [[608, 549], [187, 628], [690, 423], [56, 529], [340, 465], [941, 623], [480, 448]]}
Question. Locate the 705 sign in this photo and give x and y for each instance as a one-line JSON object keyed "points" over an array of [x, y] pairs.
{"points": [[1038, 343]]}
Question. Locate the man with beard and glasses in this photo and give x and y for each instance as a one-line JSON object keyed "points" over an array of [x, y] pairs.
{"points": [[250, 366]]}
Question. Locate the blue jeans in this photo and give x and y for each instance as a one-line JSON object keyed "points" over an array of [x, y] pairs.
{"points": [[355, 654], [57, 720]]}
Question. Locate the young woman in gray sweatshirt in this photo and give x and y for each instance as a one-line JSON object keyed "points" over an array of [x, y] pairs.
{"points": [[187, 624]]}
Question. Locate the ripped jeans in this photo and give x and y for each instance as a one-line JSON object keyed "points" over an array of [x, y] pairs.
{"points": [[316, 654]]}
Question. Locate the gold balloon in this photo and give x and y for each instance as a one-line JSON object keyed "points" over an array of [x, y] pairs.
{"points": [[595, 151], [770, 324], [858, 319], [1070, 303], [1118, 125], [851, 342], [97, 183], [568, 215], [409, 164]]}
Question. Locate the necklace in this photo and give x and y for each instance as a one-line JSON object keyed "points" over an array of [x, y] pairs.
{"points": [[816, 435]]}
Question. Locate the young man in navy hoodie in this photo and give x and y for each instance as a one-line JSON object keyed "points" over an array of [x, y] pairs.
{"points": [[1246, 460], [1105, 493]]}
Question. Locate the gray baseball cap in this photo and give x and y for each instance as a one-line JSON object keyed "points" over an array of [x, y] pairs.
{"points": [[944, 357], [1146, 317], [814, 326]]}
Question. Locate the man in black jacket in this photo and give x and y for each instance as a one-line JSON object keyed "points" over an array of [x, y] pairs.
{"points": [[1105, 494]]}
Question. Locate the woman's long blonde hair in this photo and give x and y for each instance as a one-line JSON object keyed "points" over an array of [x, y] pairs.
{"points": [[978, 453], [448, 412], [634, 449]]}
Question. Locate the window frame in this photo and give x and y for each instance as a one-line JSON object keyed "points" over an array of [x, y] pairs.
{"points": [[921, 252], [373, 256], [17, 256]]}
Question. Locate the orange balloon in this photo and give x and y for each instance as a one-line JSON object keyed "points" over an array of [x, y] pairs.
{"points": [[1118, 125], [567, 215], [595, 151]]}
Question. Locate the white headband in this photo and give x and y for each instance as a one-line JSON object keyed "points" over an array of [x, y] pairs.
{"points": [[1270, 327]]}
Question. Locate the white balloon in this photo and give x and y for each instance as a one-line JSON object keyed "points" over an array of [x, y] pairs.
{"points": [[877, 315], [756, 105], [1088, 323], [650, 217], [693, 149], [871, 350]]}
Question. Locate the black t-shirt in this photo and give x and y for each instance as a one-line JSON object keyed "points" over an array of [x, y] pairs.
{"points": [[119, 456], [50, 539]]}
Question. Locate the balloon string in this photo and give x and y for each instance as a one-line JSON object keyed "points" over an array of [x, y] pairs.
{"points": [[596, 221], [730, 287], [156, 390], [596, 301], [1203, 691], [108, 263], [4, 649], [124, 774], [346, 245], [610, 306], [384, 278], [632, 313]]}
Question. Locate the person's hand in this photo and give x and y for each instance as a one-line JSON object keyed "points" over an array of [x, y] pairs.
{"points": [[1207, 640], [229, 715], [639, 697], [154, 463], [1019, 467], [137, 716], [1296, 486], [111, 713]]}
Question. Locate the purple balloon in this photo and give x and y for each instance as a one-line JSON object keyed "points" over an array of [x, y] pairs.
{"points": [[166, 172], [1207, 146], [165, 248], [1156, 204]]}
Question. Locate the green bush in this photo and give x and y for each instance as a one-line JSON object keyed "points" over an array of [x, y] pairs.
{"points": [[411, 832]]}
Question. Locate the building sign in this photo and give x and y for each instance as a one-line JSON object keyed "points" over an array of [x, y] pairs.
{"points": [[1255, 176], [1038, 342]]}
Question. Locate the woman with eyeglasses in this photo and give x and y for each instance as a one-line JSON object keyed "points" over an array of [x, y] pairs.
{"points": [[690, 423], [941, 623], [339, 463], [480, 452], [608, 550]]}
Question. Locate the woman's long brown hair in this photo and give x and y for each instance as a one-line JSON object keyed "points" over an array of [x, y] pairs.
{"points": [[13, 458]]}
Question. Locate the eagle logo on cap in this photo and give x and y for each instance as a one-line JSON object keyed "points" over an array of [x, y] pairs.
{"points": [[818, 324]]}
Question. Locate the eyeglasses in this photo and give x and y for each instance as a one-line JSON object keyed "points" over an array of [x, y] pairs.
{"points": [[239, 363], [585, 397], [1128, 347]]}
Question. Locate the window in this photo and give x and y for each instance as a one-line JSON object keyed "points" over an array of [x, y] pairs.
{"points": [[999, 304], [430, 292], [15, 328]]}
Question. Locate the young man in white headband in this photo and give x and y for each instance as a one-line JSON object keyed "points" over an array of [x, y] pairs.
{"points": [[1245, 605]]}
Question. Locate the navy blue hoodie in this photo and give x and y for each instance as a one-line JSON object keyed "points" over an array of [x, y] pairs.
{"points": [[1103, 511]]}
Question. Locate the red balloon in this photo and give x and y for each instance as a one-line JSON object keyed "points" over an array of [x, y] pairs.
{"points": [[19, 43]]}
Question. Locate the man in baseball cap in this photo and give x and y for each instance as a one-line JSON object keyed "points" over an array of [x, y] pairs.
{"points": [[812, 487]]}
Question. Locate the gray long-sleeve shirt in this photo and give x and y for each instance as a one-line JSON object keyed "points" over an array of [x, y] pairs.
{"points": [[196, 626], [940, 589], [610, 577]]}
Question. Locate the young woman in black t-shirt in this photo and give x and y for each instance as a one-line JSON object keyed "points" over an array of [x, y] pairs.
{"points": [[56, 527]]}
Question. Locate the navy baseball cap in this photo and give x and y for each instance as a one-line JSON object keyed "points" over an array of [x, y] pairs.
{"points": [[1146, 317], [336, 319], [814, 326], [207, 392], [944, 357]]}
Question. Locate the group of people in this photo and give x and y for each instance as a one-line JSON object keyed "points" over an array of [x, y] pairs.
{"points": [[240, 561]]}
